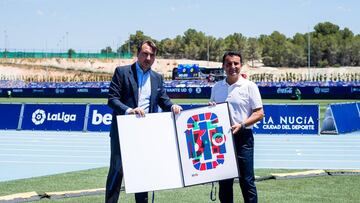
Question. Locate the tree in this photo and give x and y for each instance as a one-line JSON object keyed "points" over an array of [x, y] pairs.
{"points": [[346, 39], [236, 42], [294, 55], [326, 28], [171, 47], [316, 50], [195, 45], [130, 45], [216, 48], [355, 51], [300, 39], [327, 37], [253, 50], [330, 46], [274, 49], [71, 53], [107, 50]]}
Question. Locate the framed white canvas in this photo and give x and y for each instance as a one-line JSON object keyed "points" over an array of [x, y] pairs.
{"points": [[149, 152]]}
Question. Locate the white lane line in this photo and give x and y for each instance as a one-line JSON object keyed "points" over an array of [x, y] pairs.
{"points": [[307, 149], [59, 139], [54, 142], [52, 156], [305, 155], [353, 145], [53, 162], [309, 139], [306, 160], [54, 145], [54, 150]]}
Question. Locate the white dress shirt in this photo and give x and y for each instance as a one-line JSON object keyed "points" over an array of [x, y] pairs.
{"points": [[144, 88], [242, 96]]}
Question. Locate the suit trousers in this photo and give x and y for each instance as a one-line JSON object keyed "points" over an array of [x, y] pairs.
{"points": [[244, 145], [115, 176]]}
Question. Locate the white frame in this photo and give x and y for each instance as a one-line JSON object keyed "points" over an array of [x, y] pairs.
{"points": [[154, 153], [226, 170]]}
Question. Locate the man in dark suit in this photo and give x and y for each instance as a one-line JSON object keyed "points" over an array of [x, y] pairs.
{"points": [[134, 89]]}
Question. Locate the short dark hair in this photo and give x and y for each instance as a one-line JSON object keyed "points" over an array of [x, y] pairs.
{"points": [[148, 42], [232, 53]]}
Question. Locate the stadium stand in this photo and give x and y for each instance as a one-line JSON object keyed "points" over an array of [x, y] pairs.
{"points": [[185, 89], [169, 83]]}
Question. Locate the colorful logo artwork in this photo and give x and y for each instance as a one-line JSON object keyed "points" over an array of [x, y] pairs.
{"points": [[205, 141]]}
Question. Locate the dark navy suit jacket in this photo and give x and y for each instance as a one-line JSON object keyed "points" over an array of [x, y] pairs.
{"points": [[123, 94]]}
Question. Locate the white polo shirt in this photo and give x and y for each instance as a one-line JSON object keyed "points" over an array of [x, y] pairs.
{"points": [[242, 96]]}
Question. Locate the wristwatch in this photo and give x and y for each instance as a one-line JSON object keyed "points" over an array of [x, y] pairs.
{"points": [[243, 127]]}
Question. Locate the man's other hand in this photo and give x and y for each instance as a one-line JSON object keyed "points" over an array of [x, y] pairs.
{"points": [[211, 103], [138, 111], [176, 109]]}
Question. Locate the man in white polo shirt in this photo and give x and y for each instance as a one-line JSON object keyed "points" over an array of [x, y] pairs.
{"points": [[245, 107]]}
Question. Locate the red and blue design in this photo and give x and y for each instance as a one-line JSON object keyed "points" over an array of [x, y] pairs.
{"points": [[205, 141]]}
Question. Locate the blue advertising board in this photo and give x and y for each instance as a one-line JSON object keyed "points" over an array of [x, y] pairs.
{"points": [[188, 92], [191, 106], [10, 116], [272, 92], [310, 92], [56, 92], [100, 117], [67, 117], [289, 119], [346, 117]]}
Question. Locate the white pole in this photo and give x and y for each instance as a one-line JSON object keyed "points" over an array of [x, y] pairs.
{"points": [[309, 73], [5, 40], [67, 41]]}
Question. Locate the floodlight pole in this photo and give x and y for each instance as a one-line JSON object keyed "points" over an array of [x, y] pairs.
{"points": [[129, 47], [64, 43], [309, 56], [5, 40], [67, 41], [208, 51], [118, 50]]}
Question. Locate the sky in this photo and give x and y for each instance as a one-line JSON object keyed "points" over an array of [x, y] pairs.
{"points": [[90, 25]]}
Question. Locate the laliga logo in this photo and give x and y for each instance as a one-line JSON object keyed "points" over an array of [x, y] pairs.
{"points": [[39, 116]]}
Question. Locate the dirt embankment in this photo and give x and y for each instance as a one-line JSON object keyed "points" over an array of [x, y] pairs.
{"points": [[104, 68], [56, 67]]}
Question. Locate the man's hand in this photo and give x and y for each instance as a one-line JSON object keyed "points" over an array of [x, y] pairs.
{"points": [[211, 103], [176, 109], [138, 111], [235, 128]]}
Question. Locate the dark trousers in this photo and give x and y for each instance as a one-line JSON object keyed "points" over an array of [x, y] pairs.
{"points": [[244, 144], [115, 176]]}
